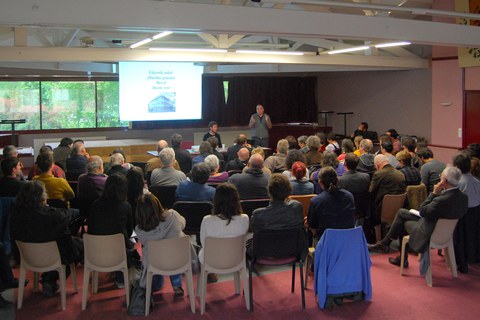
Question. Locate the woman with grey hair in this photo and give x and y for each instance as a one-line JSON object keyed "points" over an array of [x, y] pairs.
{"points": [[214, 165]]}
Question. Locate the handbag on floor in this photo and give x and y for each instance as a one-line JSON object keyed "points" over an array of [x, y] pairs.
{"points": [[138, 300]]}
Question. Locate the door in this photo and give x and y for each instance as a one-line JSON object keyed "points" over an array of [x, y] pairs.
{"points": [[471, 128]]}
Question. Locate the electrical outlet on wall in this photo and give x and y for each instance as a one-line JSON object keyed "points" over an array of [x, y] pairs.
{"points": [[459, 132]]}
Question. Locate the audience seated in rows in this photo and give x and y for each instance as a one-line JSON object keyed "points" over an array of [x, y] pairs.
{"points": [[181, 156], [395, 139], [155, 162], [333, 208], [313, 156], [412, 174], [34, 221], [136, 187], [474, 150], [252, 184], [292, 157], [431, 169], [292, 142], [276, 162], [167, 175], [156, 223], [197, 189], [356, 142], [299, 179], [57, 171], [10, 182], [259, 150], [386, 180], [57, 188], [214, 165], [226, 220], [76, 164], [204, 150], [240, 161], [356, 183], [240, 142], [329, 160], [62, 152]]}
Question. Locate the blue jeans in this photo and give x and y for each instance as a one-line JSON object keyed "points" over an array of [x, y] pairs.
{"points": [[157, 281]]}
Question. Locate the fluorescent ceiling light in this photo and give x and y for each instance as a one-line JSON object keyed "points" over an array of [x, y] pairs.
{"points": [[161, 35], [392, 44], [190, 50], [288, 53], [141, 43], [348, 50]]}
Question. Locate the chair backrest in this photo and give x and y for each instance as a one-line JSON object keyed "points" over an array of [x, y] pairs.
{"points": [[166, 194], [304, 199], [141, 165], [224, 253], [57, 203], [278, 243], [443, 232], [416, 195], [390, 205], [193, 212], [39, 256], [249, 205], [104, 251], [169, 254]]}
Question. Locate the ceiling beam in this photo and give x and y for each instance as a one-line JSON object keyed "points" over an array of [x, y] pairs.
{"points": [[114, 55], [176, 16]]}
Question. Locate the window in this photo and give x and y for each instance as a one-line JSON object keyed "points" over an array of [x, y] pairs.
{"points": [[61, 104]]}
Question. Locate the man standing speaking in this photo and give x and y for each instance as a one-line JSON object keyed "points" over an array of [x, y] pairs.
{"points": [[259, 124]]}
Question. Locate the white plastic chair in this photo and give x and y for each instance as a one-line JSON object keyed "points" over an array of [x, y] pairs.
{"points": [[224, 256], [105, 253], [170, 257], [442, 238], [42, 257]]}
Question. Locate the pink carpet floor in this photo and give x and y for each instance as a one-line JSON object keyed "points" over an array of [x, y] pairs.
{"points": [[394, 297]]}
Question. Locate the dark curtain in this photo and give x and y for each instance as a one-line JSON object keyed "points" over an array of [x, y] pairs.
{"points": [[286, 99]]}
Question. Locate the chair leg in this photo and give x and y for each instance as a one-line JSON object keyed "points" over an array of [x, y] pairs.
{"points": [[302, 288], [246, 290], [191, 293], [127, 285], [74, 276], [236, 281], [428, 275], [450, 252], [307, 261], [35, 281], [148, 292], [94, 281], [293, 276], [250, 284], [63, 289], [203, 288], [21, 279], [402, 257], [86, 279]]}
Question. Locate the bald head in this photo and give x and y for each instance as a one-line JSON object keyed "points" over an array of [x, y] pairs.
{"points": [[256, 161], [161, 144], [243, 154], [380, 161]]}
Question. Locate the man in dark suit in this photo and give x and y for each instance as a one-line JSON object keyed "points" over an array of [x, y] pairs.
{"points": [[241, 142], [357, 183], [252, 184], [182, 156], [386, 180], [445, 202]]}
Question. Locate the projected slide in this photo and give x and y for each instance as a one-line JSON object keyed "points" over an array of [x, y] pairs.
{"points": [[160, 91]]}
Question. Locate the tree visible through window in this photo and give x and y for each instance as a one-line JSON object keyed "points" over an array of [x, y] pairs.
{"points": [[20, 100]]}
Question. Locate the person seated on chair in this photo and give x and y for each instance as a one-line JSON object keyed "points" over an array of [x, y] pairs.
{"points": [[347, 147], [214, 165], [313, 155], [167, 175], [409, 145], [156, 223], [333, 208], [10, 183], [91, 184], [117, 161], [181, 156], [394, 138], [205, 149], [281, 213], [34, 221], [111, 214], [276, 162], [333, 144], [431, 169], [445, 202], [302, 143], [412, 174], [386, 148], [62, 152], [252, 184], [386, 180], [136, 187], [299, 179], [76, 164], [240, 142], [240, 161], [366, 163], [292, 157], [214, 143], [57, 171], [226, 220], [259, 150], [330, 159], [197, 189], [57, 188]]}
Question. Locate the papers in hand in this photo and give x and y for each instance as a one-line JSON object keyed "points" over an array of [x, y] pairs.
{"points": [[415, 212]]}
